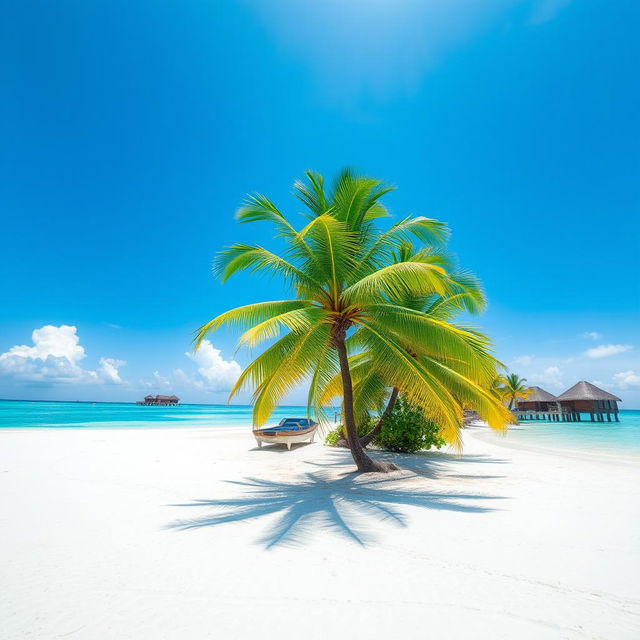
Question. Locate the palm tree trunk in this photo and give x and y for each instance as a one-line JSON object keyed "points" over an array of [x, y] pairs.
{"points": [[365, 440], [363, 462]]}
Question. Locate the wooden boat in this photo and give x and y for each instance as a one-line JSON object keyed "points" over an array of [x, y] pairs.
{"points": [[288, 431]]}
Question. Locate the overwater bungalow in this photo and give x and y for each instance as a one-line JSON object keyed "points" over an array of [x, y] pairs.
{"points": [[537, 400], [582, 398], [585, 397], [161, 401]]}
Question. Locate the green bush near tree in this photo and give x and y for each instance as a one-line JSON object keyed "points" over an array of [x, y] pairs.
{"points": [[404, 430], [339, 432]]}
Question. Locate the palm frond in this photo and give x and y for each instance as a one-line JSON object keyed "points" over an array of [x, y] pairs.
{"points": [[326, 370], [257, 207], [427, 230], [240, 257], [423, 334], [370, 394], [335, 247], [355, 196], [312, 193], [254, 374], [474, 396], [397, 281], [466, 296], [298, 363], [415, 383], [298, 320], [249, 315]]}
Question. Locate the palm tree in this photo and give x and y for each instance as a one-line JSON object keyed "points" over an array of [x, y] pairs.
{"points": [[512, 387], [464, 295], [341, 270]]}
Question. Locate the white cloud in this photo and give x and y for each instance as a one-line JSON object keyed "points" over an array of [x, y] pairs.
{"points": [[214, 373], [218, 374], [524, 360], [59, 342], [592, 335], [161, 380], [108, 369], [53, 357], [551, 377], [626, 379], [606, 350]]}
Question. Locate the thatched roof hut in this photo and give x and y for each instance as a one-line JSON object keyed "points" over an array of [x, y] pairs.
{"points": [[538, 400], [585, 397], [587, 391], [538, 394]]}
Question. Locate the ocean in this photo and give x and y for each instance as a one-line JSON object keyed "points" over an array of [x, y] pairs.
{"points": [[65, 415], [614, 437], [592, 437]]}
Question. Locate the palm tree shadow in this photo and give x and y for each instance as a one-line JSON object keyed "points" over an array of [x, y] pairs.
{"points": [[350, 505], [428, 464]]}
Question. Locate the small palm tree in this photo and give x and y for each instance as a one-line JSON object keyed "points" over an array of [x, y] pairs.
{"points": [[346, 284], [512, 387], [371, 391]]}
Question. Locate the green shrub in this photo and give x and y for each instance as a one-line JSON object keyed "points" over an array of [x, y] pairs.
{"points": [[406, 430], [338, 433], [332, 437]]}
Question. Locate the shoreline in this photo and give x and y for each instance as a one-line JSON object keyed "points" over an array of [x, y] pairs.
{"points": [[478, 429]]}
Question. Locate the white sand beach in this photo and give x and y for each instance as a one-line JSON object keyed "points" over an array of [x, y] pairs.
{"points": [[194, 533]]}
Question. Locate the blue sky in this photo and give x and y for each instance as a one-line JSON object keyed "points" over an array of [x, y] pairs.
{"points": [[131, 131]]}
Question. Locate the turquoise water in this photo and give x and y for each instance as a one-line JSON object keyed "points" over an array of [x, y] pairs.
{"points": [[607, 437], [621, 437], [60, 415]]}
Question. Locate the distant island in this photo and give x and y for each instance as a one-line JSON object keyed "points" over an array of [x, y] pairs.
{"points": [[161, 401]]}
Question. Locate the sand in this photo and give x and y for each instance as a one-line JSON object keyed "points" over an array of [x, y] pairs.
{"points": [[194, 533]]}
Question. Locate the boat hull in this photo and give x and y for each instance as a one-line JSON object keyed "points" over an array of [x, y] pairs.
{"points": [[285, 437]]}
